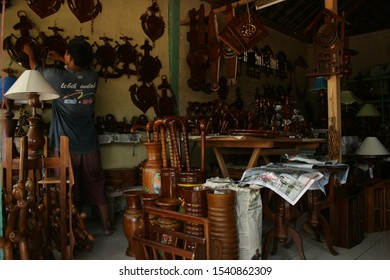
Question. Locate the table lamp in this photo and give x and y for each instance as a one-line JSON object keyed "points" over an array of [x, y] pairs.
{"points": [[347, 97], [368, 110], [372, 148], [32, 86], [367, 114]]}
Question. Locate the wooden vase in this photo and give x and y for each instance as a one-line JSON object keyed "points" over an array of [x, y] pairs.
{"points": [[194, 178], [222, 217], [195, 204], [132, 217], [168, 182], [171, 204], [151, 171]]}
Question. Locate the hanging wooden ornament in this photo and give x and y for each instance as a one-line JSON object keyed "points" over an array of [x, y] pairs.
{"points": [[165, 104], [127, 55], [329, 41], [85, 10], [144, 96], [106, 57], [244, 32], [148, 67], [55, 43], [14, 45], [198, 54], [248, 30], [45, 8], [153, 25]]}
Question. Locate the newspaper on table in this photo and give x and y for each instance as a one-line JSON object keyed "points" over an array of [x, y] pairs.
{"points": [[289, 182]]}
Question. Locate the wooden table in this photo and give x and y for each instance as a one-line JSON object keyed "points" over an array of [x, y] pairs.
{"points": [[282, 215], [261, 146]]}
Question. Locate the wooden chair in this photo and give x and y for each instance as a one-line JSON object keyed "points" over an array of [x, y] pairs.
{"points": [[50, 198], [179, 131], [173, 134], [149, 244], [24, 227]]}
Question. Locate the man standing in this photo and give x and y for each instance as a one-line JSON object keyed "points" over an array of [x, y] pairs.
{"points": [[73, 115]]}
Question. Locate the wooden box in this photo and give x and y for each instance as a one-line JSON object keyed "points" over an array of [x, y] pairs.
{"points": [[347, 224], [377, 205]]}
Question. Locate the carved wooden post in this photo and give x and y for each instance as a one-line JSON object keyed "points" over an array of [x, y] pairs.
{"points": [[334, 105]]}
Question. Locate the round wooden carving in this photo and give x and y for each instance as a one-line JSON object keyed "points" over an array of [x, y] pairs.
{"points": [[327, 35]]}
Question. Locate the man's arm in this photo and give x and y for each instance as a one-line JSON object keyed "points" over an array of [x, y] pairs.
{"points": [[32, 60], [28, 50]]}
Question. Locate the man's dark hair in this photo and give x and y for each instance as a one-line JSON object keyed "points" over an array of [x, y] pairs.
{"points": [[81, 51]]}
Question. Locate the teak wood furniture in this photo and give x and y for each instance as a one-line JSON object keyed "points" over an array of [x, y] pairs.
{"points": [[44, 188], [283, 215], [260, 146], [149, 245]]}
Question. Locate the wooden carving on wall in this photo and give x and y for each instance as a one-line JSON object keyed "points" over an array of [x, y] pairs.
{"points": [[153, 25], [14, 45], [127, 55], [166, 103], [106, 57], [45, 8], [148, 66], [214, 47], [55, 43], [266, 55], [198, 53], [85, 10], [329, 42], [144, 96]]}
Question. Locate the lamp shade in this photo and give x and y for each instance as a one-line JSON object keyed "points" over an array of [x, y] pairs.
{"points": [[319, 84], [347, 97], [368, 110], [31, 81], [371, 146]]}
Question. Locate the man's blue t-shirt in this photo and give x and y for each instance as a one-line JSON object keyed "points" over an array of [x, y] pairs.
{"points": [[73, 113]]}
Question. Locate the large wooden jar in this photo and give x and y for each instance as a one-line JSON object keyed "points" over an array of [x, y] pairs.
{"points": [[151, 171], [132, 217], [222, 216]]}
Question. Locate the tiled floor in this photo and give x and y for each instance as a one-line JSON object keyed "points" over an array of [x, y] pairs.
{"points": [[375, 246]]}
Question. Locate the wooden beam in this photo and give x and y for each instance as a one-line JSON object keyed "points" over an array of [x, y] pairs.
{"points": [[334, 105]]}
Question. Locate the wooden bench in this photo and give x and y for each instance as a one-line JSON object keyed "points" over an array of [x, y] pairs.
{"points": [[150, 244]]}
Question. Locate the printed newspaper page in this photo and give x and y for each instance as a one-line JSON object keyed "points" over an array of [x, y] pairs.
{"points": [[288, 182]]}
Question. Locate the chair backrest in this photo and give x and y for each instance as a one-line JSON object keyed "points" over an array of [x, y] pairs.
{"points": [[178, 129]]}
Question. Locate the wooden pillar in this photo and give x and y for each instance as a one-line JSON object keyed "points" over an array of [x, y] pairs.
{"points": [[334, 105]]}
